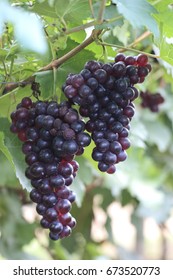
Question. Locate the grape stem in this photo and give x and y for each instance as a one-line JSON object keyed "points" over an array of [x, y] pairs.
{"points": [[122, 48], [101, 12], [91, 8], [80, 27], [137, 40]]}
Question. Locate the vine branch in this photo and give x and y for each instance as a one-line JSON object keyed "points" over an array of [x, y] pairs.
{"points": [[55, 63]]}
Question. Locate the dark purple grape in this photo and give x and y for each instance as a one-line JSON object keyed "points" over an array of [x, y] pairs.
{"points": [[97, 155], [84, 91], [52, 109], [45, 187], [142, 59], [65, 218], [71, 197], [119, 69], [121, 85], [65, 232], [57, 181], [45, 223], [35, 196], [54, 236], [27, 147], [125, 142], [120, 57], [78, 126], [57, 143], [32, 134], [109, 158], [49, 200], [83, 139], [100, 75], [31, 158], [103, 145], [56, 227], [63, 192], [40, 108], [130, 60], [41, 209], [69, 180], [65, 169], [77, 80], [26, 102], [44, 134], [39, 121], [22, 114], [103, 167], [51, 169], [72, 223], [71, 116], [122, 156], [63, 206], [48, 121], [115, 147], [51, 214], [37, 170], [69, 147], [46, 156], [86, 74], [92, 65]]}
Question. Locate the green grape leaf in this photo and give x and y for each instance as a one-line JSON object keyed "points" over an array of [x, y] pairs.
{"points": [[9, 101], [13, 145], [79, 188], [159, 134], [44, 9], [111, 14], [72, 10], [165, 22], [160, 5], [166, 51], [138, 13], [5, 150]]}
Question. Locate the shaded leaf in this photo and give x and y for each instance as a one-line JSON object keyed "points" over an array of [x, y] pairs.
{"points": [[14, 147], [30, 35], [79, 188], [73, 10], [138, 13]]}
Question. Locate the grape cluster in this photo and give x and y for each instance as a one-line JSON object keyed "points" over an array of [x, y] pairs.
{"points": [[52, 135], [105, 95], [151, 101]]}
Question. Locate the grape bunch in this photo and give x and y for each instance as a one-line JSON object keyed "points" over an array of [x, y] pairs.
{"points": [[52, 135], [151, 101], [105, 95]]}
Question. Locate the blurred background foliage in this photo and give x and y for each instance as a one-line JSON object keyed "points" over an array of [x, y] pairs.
{"points": [[127, 215]]}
